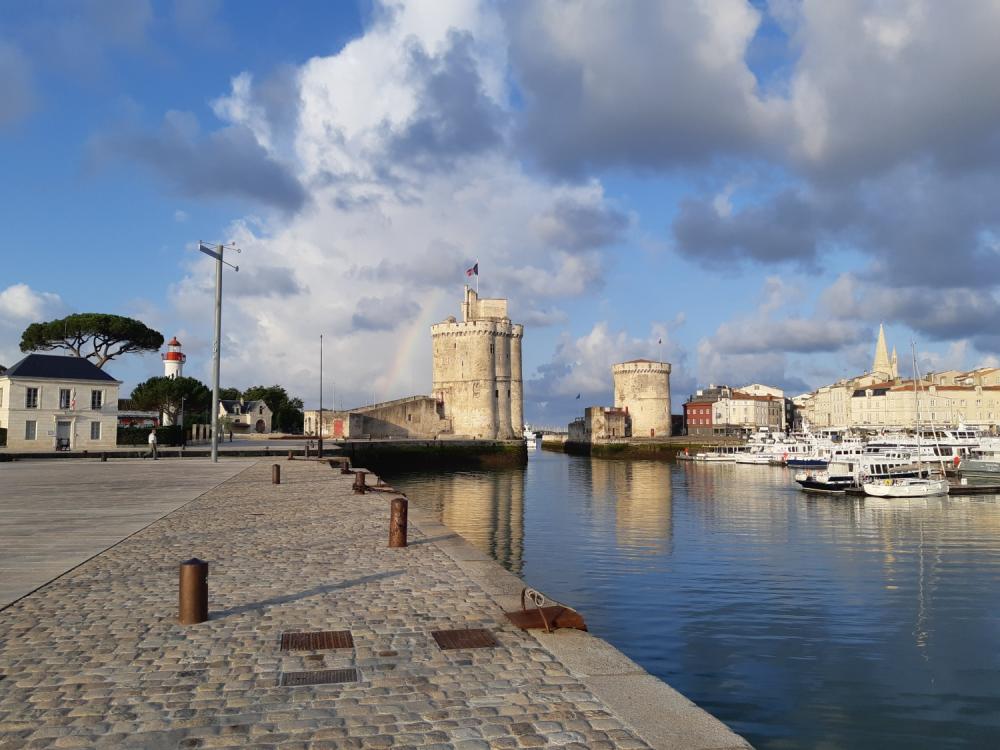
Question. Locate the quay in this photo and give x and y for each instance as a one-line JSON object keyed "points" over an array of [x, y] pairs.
{"points": [[96, 658], [664, 448], [375, 453]]}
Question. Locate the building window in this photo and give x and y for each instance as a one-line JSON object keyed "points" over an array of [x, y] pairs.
{"points": [[29, 428], [31, 402], [96, 399], [64, 398], [95, 430]]}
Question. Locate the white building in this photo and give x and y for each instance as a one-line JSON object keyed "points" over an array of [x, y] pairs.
{"points": [[245, 416], [50, 403], [880, 399]]}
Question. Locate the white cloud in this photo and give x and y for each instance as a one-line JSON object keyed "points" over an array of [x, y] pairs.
{"points": [[378, 252], [22, 303]]}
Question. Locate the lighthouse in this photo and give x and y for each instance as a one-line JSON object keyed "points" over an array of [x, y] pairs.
{"points": [[173, 360], [173, 367]]}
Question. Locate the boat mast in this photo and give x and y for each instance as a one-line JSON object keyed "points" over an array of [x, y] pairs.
{"points": [[937, 443], [916, 407]]}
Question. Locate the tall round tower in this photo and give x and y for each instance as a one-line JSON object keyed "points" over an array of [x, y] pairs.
{"points": [[477, 370], [642, 388], [174, 359], [516, 384]]}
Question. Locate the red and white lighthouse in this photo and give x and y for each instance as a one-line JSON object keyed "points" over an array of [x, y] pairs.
{"points": [[174, 359]]}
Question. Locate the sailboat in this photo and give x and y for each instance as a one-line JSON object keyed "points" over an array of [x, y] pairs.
{"points": [[918, 486]]}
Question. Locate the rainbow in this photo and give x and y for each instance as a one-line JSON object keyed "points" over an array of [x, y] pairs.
{"points": [[417, 333]]}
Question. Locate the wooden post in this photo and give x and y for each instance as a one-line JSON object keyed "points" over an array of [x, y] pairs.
{"points": [[193, 591], [276, 474], [359, 483], [397, 522]]}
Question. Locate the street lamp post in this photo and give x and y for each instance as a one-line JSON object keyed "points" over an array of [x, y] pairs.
{"points": [[321, 395], [217, 253]]}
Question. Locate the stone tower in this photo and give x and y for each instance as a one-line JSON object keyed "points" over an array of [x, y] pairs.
{"points": [[642, 387], [477, 370], [882, 364]]}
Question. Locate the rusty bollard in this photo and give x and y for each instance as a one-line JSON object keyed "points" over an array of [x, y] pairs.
{"points": [[193, 592], [397, 522], [359, 483], [276, 474]]}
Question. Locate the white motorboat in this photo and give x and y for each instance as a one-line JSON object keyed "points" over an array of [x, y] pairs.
{"points": [[918, 486], [906, 487]]}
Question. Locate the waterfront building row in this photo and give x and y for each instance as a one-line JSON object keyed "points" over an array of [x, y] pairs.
{"points": [[880, 399], [722, 410]]}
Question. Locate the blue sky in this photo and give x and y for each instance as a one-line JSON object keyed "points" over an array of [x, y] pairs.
{"points": [[757, 184]]}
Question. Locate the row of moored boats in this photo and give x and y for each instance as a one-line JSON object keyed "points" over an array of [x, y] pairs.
{"points": [[917, 464]]}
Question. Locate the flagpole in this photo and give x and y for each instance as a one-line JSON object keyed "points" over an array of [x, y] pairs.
{"points": [[477, 277]]}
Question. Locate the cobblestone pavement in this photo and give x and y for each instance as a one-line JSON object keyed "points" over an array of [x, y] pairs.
{"points": [[96, 659]]}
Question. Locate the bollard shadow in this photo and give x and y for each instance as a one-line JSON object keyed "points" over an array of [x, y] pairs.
{"points": [[431, 539], [255, 606]]}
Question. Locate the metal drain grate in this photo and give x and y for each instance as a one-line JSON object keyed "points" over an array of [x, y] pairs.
{"points": [[319, 677], [318, 641], [465, 638]]}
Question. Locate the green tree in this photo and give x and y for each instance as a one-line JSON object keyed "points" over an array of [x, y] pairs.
{"points": [[286, 410], [165, 395], [229, 394], [96, 336]]}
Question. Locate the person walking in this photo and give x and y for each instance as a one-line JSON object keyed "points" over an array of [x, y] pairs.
{"points": [[152, 445]]}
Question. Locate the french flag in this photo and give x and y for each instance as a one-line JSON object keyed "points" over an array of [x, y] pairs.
{"points": [[474, 271]]}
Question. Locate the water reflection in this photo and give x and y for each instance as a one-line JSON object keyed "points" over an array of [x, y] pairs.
{"points": [[802, 621]]}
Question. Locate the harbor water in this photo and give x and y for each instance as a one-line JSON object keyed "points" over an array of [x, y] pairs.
{"points": [[801, 621]]}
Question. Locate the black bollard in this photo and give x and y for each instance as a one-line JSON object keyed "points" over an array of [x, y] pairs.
{"points": [[276, 474]]}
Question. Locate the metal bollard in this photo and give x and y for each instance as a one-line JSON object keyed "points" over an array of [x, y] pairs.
{"points": [[276, 474], [193, 592], [291, 456], [397, 522], [307, 450], [359, 483]]}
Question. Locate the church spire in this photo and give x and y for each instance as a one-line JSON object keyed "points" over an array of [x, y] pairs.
{"points": [[895, 364], [882, 363]]}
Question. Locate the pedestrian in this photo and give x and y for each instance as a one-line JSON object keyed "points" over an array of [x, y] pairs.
{"points": [[152, 445]]}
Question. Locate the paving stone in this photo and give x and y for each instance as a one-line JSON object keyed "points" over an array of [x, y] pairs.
{"points": [[97, 659]]}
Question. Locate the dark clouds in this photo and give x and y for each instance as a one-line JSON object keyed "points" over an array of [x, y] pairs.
{"points": [[226, 162], [573, 225], [788, 227], [264, 281], [454, 116], [383, 313], [643, 85]]}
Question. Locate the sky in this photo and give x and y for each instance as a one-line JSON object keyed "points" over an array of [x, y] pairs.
{"points": [[743, 189]]}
